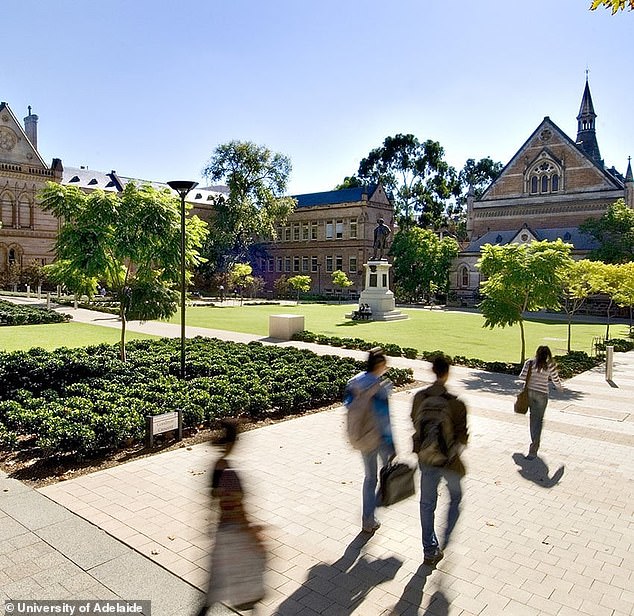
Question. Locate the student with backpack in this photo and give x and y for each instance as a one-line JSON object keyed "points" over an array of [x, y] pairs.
{"points": [[369, 428], [440, 432]]}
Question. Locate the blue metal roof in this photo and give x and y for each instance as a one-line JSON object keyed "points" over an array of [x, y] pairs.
{"points": [[570, 235], [347, 195]]}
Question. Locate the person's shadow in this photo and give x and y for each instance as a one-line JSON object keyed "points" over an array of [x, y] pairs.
{"points": [[536, 471], [345, 582], [412, 596]]}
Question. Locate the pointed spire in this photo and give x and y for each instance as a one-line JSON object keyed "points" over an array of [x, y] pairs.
{"points": [[628, 176], [586, 135]]}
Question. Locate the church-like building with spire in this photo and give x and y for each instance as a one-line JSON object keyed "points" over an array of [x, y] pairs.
{"points": [[548, 188]]}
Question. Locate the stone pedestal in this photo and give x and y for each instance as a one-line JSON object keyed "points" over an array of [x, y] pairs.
{"points": [[283, 326], [377, 292]]}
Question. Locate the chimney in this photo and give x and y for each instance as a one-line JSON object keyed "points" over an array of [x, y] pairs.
{"points": [[30, 127]]}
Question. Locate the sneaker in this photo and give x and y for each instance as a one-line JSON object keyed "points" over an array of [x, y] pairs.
{"points": [[432, 561], [372, 528]]}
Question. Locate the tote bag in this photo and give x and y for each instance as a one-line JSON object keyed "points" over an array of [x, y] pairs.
{"points": [[521, 402]]}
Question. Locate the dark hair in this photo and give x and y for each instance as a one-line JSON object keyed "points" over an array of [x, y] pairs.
{"points": [[376, 356], [440, 365], [543, 357], [229, 432]]}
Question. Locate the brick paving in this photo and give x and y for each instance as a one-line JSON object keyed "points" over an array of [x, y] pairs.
{"points": [[552, 536]]}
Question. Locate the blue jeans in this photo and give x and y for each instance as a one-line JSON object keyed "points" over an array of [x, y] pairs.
{"points": [[370, 494], [429, 480], [537, 402]]}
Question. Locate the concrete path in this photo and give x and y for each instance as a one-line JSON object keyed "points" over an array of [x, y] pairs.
{"points": [[552, 536]]}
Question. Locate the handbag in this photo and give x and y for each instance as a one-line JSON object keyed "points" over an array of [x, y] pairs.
{"points": [[396, 483], [521, 402]]}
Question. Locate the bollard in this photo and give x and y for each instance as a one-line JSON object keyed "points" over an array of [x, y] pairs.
{"points": [[39, 291], [609, 361], [48, 300], [28, 291], [75, 302]]}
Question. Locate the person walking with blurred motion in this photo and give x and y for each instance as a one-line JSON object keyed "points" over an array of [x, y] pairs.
{"points": [[372, 436], [542, 372], [440, 433], [238, 556]]}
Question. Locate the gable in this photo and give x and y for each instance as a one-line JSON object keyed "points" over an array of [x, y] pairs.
{"points": [[15, 147], [551, 148]]}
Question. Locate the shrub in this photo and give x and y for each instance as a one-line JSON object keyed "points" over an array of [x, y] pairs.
{"points": [[18, 314]]}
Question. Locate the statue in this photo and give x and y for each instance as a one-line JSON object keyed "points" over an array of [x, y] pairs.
{"points": [[381, 233]]}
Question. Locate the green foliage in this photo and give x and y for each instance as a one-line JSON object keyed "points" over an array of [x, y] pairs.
{"points": [[614, 232], [87, 401], [257, 179], [520, 278], [340, 279], [421, 263], [350, 181], [614, 5], [417, 176], [15, 314], [301, 284], [130, 241]]}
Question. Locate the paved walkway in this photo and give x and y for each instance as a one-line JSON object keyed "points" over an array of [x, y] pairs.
{"points": [[552, 536]]}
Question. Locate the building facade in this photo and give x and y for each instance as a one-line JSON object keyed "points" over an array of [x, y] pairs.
{"points": [[550, 186], [328, 231], [27, 233]]}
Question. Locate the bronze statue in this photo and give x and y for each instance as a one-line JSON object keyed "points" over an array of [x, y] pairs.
{"points": [[381, 233]]}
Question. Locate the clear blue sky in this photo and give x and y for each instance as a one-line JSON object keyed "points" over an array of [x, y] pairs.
{"points": [[151, 88]]}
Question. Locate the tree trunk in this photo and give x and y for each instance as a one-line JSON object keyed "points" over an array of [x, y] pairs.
{"points": [[607, 329], [569, 330], [523, 341]]}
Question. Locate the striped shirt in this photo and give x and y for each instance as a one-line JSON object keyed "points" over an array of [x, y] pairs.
{"points": [[539, 378]]}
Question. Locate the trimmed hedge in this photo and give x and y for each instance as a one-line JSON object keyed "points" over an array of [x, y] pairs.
{"points": [[568, 365], [18, 314], [86, 401]]}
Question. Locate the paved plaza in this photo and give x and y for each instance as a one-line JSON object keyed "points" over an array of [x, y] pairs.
{"points": [[550, 536]]}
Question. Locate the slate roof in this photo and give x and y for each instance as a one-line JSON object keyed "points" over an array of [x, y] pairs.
{"points": [[348, 195], [570, 235]]}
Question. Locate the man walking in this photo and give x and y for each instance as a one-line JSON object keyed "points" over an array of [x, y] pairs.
{"points": [[440, 432]]}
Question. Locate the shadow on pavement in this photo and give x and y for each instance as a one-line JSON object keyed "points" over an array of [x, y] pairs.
{"points": [[413, 594], [537, 471], [345, 582]]}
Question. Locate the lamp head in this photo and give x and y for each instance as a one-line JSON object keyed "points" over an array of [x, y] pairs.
{"points": [[182, 187]]}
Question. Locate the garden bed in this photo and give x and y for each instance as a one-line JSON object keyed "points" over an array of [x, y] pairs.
{"points": [[72, 404], [18, 314]]}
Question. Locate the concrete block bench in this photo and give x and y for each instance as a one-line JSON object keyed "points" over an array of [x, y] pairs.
{"points": [[283, 326]]}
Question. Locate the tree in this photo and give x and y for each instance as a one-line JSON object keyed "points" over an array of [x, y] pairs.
{"points": [[350, 181], [257, 179], [341, 280], [63, 272], [129, 240], [582, 280], [614, 5], [240, 277], [421, 263], [416, 175], [300, 283], [624, 295], [33, 274], [608, 282], [281, 285], [614, 232], [521, 278]]}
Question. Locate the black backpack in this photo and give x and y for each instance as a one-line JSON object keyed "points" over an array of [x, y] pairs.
{"points": [[434, 431]]}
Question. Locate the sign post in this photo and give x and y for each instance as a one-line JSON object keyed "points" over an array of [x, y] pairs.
{"points": [[167, 422]]}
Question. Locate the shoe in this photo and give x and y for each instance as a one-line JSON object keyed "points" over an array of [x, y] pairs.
{"points": [[372, 528], [432, 561], [531, 456]]}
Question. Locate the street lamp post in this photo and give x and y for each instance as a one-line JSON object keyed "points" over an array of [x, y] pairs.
{"points": [[182, 187], [319, 279]]}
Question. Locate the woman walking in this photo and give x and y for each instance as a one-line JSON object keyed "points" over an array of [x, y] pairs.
{"points": [[537, 372]]}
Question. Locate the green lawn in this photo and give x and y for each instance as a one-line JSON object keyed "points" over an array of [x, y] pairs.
{"points": [[58, 335], [456, 333]]}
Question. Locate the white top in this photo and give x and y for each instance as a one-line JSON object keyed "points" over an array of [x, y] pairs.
{"points": [[539, 378]]}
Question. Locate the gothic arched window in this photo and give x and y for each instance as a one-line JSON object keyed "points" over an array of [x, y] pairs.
{"points": [[464, 276], [554, 183], [534, 184], [544, 177]]}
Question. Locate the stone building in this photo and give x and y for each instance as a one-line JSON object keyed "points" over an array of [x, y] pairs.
{"points": [[328, 231], [27, 233], [550, 186]]}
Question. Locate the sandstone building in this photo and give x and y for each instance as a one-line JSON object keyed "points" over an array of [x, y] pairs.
{"points": [[550, 186]]}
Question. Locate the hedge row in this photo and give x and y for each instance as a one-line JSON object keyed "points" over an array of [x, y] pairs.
{"points": [[16, 314], [568, 365], [86, 401]]}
